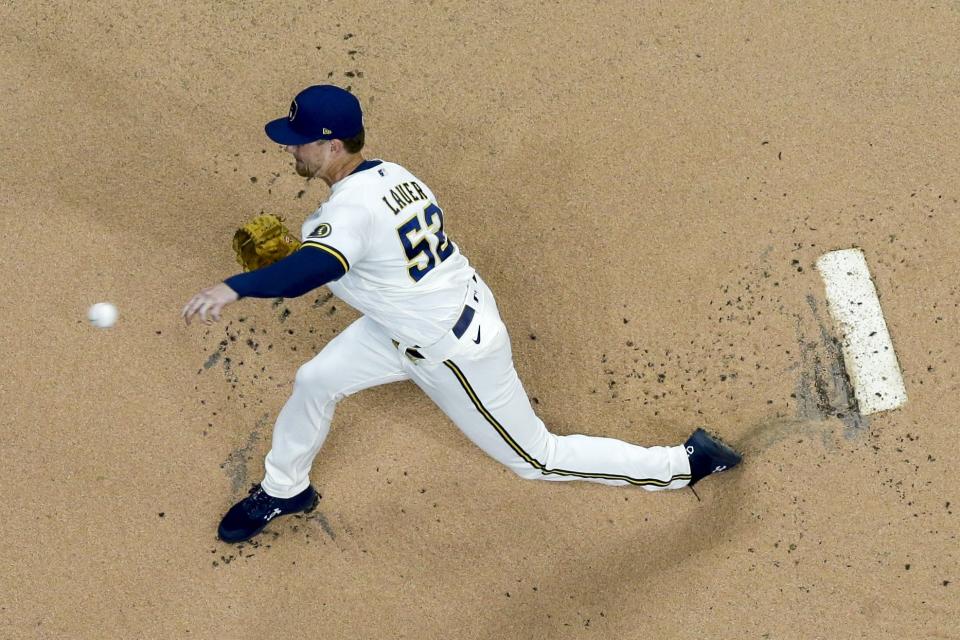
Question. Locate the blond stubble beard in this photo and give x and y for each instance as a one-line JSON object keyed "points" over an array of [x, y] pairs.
{"points": [[302, 170]]}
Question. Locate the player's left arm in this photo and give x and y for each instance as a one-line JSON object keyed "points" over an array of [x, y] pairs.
{"points": [[300, 272]]}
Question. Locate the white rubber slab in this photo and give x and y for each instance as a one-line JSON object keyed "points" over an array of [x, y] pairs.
{"points": [[867, 348]]}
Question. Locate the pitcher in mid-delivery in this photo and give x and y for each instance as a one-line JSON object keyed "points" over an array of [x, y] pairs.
{"points": [[379, 244]]}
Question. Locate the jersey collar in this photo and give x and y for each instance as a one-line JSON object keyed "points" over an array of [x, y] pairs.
{"points": [[366, 164]]}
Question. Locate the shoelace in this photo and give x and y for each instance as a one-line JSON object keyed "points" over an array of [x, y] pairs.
{"points": [[257, 500]]}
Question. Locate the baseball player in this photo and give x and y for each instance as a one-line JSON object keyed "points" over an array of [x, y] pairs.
{"points": [[379, 243]]}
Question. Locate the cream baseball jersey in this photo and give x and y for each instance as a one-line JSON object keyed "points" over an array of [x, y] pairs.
{"points": [[402, 271]]}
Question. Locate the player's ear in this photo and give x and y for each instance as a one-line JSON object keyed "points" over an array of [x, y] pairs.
{"points": [[336, 146]]}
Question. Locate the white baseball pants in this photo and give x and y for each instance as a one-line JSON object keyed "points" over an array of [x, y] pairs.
{"points": [[479, 390]]}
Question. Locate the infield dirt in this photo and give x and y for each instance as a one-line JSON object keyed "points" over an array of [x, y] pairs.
{"points": [[645, 189]]}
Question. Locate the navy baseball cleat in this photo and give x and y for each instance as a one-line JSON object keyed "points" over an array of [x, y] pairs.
{"points": [[248, 517], [708, 455]]}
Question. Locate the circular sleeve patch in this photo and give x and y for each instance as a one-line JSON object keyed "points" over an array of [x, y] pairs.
{"points": [[321, 231]]}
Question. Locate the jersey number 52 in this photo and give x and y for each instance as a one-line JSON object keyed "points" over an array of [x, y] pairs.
{"points": [[424, 242]]}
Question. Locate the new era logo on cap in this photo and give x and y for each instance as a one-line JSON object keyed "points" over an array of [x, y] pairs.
{"points": [[320, 112]]}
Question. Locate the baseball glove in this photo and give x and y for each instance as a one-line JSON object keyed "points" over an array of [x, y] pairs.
{"points": [[263, 241]]}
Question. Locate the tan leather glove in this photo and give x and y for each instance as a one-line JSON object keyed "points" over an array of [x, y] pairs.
{"points": [[263, 241]]}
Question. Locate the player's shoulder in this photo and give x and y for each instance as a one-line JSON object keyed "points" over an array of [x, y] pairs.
{"points": [[393, 180], [394, 173], [376, 184], [331, 217]]}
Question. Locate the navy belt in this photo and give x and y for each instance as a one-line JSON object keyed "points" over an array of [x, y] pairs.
{"points": [[460, 328], [464, 321]]}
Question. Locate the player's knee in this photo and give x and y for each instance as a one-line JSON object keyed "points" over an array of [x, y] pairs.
{"points": [[318, 378], [525, 471]]}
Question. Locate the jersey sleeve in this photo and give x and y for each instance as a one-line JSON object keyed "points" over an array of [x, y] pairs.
{"points": [[341, 231], [295, 275]]}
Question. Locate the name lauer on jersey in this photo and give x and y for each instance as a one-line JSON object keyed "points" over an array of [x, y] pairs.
{"points": [[403, 194]]}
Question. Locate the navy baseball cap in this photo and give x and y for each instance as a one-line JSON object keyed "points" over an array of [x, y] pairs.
{"points": [[320, 112]]}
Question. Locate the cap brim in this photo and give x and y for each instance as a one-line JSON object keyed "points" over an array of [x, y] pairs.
{"points": [[280, 132]]}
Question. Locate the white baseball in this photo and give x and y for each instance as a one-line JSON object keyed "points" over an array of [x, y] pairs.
{"points": [[103, 315]]}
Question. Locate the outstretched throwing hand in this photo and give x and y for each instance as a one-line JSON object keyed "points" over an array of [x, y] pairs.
{"points": [[209, 303]]}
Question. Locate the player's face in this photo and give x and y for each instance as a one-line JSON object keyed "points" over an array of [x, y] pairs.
{"points": [[310, 158]]}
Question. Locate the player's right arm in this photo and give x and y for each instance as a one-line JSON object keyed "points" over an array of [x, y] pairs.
{"points": [[338, 239], [298, 273], [303, 270]]}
